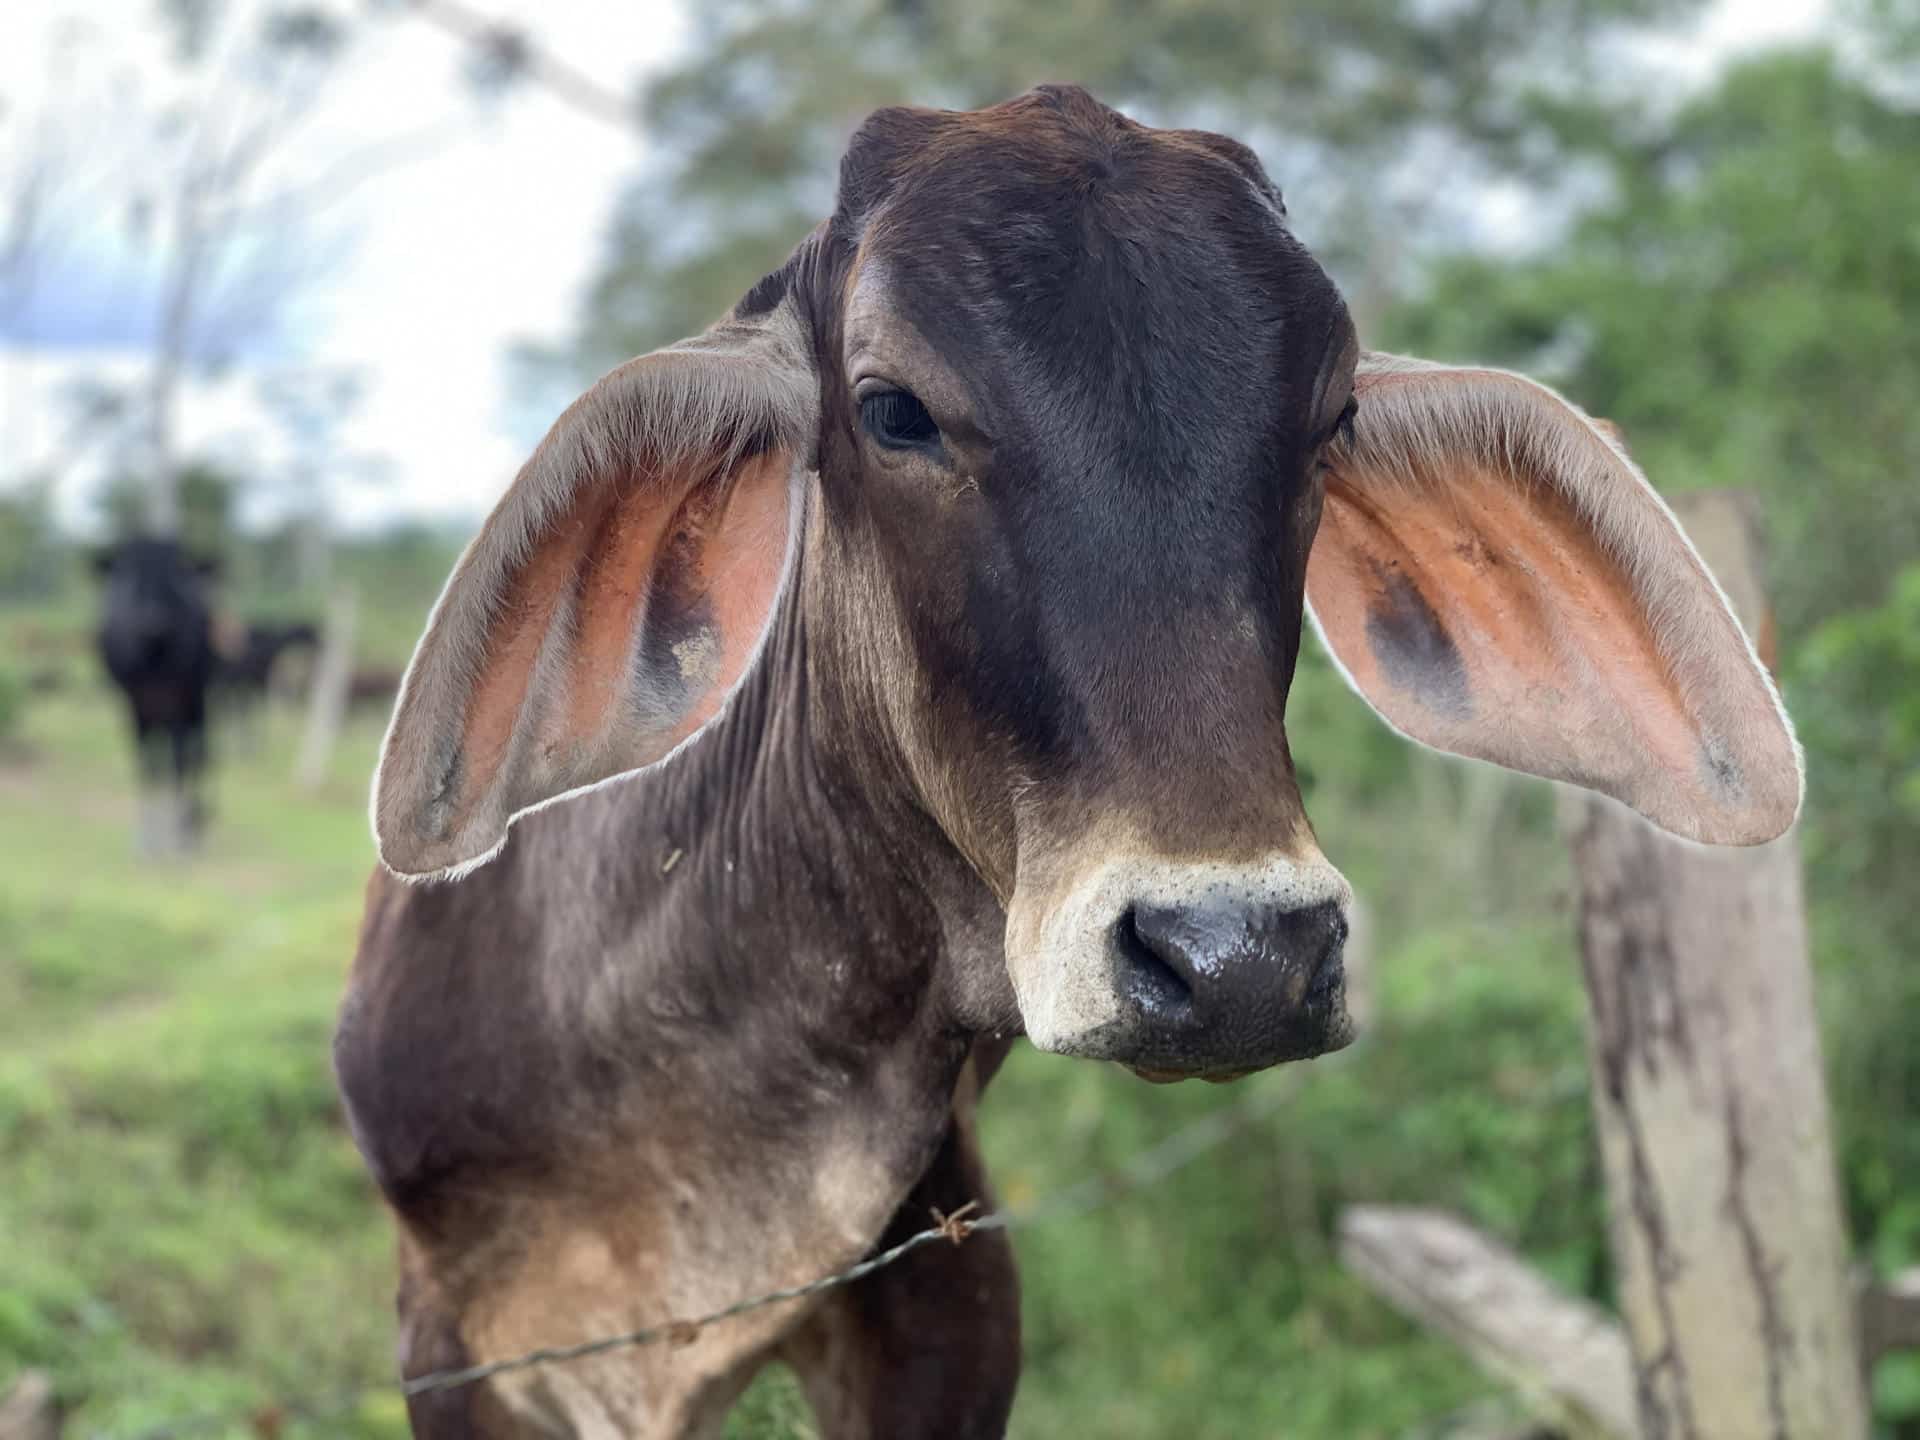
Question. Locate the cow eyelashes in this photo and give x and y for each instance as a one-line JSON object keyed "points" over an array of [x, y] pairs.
{"points": [[1343, 427], [897, 420], [1342, 431]]}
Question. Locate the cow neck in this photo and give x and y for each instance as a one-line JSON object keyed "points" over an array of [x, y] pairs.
{"points": [[830, 905]]}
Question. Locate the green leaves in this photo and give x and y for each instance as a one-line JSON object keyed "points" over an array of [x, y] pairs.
{"points": [[1736, 306], [1342, 98]]}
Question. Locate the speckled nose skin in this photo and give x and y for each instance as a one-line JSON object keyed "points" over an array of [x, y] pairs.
{"points": [[1183, 967]]}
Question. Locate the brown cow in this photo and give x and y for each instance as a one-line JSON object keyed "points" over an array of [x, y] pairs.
{"points": [[912, 652]]}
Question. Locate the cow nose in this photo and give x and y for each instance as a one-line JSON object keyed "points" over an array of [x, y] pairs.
{"points": [[1234, 978]]}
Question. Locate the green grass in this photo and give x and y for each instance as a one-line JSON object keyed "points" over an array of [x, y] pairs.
{"points": [[184, 1224]]}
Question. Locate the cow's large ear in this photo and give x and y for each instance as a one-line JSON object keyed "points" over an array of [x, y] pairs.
{"points": [[614, 599], [1498, 580]]}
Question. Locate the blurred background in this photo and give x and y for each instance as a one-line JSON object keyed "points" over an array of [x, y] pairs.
{"points": [[309, 279]]}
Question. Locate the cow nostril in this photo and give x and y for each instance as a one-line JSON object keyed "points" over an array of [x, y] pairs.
{"points": [[1328, 972], [1152, 968], [1336, 940]]}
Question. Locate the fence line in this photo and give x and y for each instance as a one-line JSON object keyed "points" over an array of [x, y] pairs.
{"points": [[1141, 1171]]}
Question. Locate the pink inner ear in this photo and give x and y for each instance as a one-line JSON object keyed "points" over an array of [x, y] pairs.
{"points": [[620, 548], [1482, 616], [523, 616], [616, 570], [738, 554]]}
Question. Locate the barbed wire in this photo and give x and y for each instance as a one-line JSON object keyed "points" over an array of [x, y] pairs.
{"points": [[1140, 1171]]}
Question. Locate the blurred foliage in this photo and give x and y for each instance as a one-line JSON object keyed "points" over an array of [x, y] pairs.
{"points": [[206, 494], [186, 1222], [1353, 104], [1857, 697], [13, 701], [1893, 27], [1857, 700], [1739, 306], [30, 550]]}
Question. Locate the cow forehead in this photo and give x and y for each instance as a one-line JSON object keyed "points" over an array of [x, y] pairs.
{"points": [[1072, 254], [145, 565], [1052, 137]]}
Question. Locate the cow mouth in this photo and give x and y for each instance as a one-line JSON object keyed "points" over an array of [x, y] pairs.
{"points": [[1212, 1077]]}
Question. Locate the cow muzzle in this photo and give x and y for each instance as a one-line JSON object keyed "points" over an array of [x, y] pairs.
{"points": [[1187, 969]]}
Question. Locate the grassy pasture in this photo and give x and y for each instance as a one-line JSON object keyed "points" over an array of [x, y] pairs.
{"points": [[184, 1225]]}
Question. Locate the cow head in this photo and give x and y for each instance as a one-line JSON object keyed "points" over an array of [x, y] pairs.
{"points": [[155, 601], [1045, 441]]}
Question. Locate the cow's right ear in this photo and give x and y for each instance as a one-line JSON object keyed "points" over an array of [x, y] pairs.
{"points": [[1497, 579], [614, 599]]}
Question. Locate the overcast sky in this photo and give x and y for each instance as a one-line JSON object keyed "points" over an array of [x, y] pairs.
{"points": [[482, 234]]}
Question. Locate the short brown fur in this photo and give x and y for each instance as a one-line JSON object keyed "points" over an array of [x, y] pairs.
{"points": [[977, 727]]}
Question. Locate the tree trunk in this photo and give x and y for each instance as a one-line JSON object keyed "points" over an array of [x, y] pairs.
{"points": [[327, 702], [30, 1411], [1711, 1105], [171, 354], [1890, 1316]]}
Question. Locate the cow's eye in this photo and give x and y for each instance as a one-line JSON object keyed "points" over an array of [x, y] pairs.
{"points": [[1343, 427], [898, 421]]}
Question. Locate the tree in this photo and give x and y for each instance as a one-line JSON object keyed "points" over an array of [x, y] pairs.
{"points": [[310, 406], [1369, 112], [1737, 306], [30, 560], [203, 497], [182, 168], [1737, 302], [249, 80]]}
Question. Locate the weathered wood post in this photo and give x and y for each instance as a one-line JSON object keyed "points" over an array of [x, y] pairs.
{"points": [[327, 701], [1728, 1237], [30, 1411], [1564, 1355]]}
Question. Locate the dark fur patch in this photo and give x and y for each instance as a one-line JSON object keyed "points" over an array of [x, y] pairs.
{"points": [[1415, 652], [429, 1341], [767, 292], [1142, 339], [1718, 762], [678, 652], [436, 1076]]}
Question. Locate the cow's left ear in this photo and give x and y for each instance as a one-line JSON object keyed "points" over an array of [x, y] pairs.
{"points": [[1498, 580], [615, 599]]}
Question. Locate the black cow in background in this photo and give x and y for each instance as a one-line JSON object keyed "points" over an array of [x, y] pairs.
{"points": [[250, 668], [246, 662], [156, 637]]}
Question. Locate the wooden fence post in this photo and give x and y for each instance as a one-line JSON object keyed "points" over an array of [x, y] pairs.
{"points": [[29, 1411], [327, 701], [1563, 1354], [1728, 1237]]}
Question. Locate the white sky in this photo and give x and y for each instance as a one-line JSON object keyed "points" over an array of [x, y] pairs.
{"points": [[454, 256], [451, 258]]}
